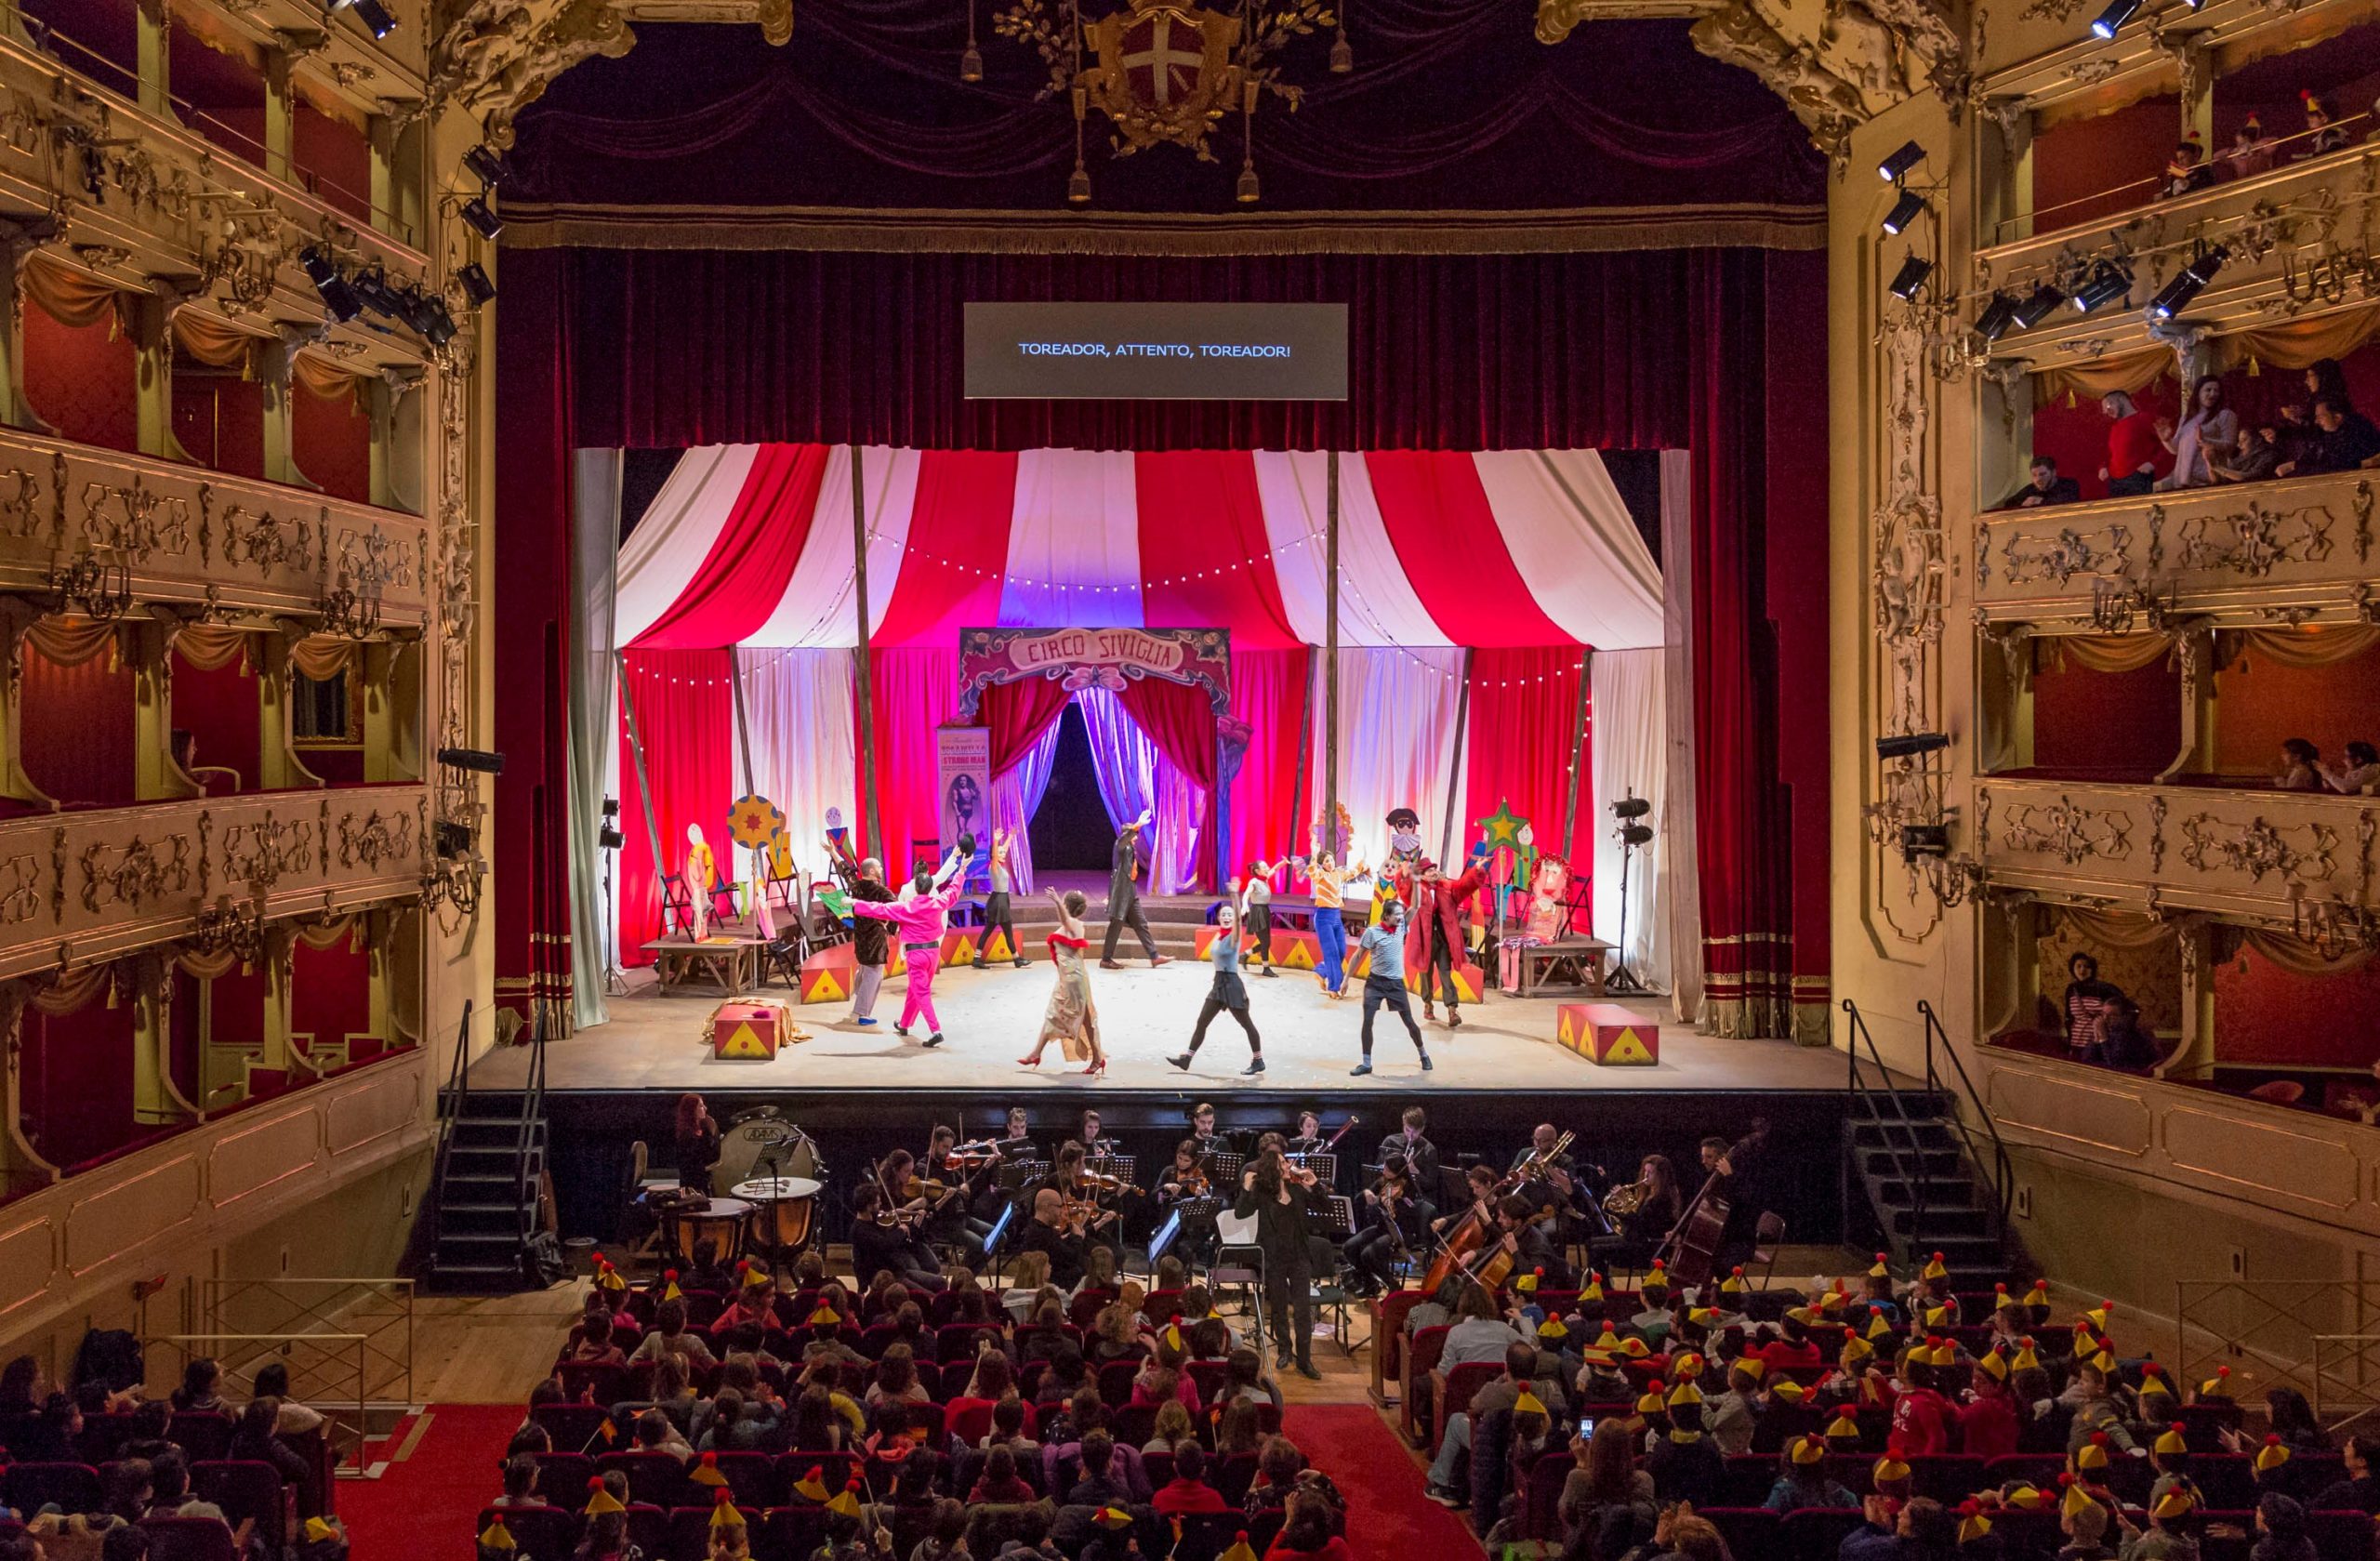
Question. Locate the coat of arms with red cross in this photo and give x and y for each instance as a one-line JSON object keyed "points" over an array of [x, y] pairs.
{"points": [[1164, 72]]}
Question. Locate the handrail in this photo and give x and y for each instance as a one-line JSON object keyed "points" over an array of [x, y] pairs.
{"points": [[1866, 1092], [533, 1103], [450, 1103], [2004, 1171]]}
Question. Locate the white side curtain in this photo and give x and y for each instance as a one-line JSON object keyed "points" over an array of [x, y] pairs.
{"points": [[1074, 541], [1685, 891], [816, 609], [1376, 604], [799, 705], [594, 541], [1396, 739], [1573, 541], [675, 534], [1631, 753], [1016, 796]]}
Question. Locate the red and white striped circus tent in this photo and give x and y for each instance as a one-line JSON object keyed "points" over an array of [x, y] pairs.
{"points": [[1471, 587]]}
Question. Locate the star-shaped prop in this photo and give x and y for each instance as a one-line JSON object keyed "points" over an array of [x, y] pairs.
{"points": [[1500, 831]]}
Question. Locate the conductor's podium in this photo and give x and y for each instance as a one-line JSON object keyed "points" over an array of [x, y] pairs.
{"points": [[1608, 1035]]}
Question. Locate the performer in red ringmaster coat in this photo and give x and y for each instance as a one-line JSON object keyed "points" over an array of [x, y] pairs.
{"points": [[1433, 938]]}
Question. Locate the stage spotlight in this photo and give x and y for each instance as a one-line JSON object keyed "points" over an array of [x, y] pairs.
{"points": [[1904, 212], [375, 15], [1911, 744], [1998, 317], [2112, 20], [1632, 807], [1911, 277], [2039, 306], [2175, 295], [1924, 839], [451, 839], [476, 285], [476, 760], [1899, 163], [488, 163], [2107, 284], [1636, 834], [482, 217], [372, 286], [610, 839], [337, 295]]}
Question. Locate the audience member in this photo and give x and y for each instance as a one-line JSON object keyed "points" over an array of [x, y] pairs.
{"points": [[2135, 451], [2210, 430], [2345, 440]]}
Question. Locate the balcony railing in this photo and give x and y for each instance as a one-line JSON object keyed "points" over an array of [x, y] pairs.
{"points": [[2300, 550], [76, 887], [169, 532], [2298, 858]]}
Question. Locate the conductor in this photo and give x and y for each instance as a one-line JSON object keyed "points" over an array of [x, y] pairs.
{"points": [[1276, 1196]]}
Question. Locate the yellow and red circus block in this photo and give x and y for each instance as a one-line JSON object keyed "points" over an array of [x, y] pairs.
{"points": [[1294, 950], [1202, 942], [1608, 1035], [827, 976], [996, 949], [957, 947], [1467, 980], [748, 1030]]}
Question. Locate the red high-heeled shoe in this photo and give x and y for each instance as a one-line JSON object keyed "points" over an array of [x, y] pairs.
{"points": [[1028, 1061], [1097, 1069]]}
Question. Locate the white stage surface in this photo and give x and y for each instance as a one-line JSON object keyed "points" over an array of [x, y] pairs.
{"points": [[991, 1015]]}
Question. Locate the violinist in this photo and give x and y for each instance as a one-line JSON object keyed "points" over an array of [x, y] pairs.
{"points": [[884, 1240], [1274, 1194], [1081, 1190], [951, 1220], [1051, 1232], [1421, 1155], [1186, 1177], [1393, 1222]]}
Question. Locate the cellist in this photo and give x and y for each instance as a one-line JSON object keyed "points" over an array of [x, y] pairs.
{"points": [[1465, 1229]]}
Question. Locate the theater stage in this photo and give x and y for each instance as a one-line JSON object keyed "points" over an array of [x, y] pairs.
{"points": [[1505, 1046]]}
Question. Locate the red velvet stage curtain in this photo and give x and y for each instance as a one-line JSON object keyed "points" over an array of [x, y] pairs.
{"points": [[685, 718], [1204, 555], [958, 547], [1743, 810], [744, 576], [1524, 711], [914, 689], [1436, 517], [1018, 714], [1180, 719], [1268, 694], [1448, 352], [529, 620]]}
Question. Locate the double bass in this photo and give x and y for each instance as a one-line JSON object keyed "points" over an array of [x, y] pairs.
{"points": [[1690, 1250], [1477, 1229]]}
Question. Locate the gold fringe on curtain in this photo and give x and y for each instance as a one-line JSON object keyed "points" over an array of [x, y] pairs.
{"points": [[321, 657], [71, 296], [2298, 344], [2115, 930], [74, 991], [2296, 955], [207, 967], [2093, 377], [2316, 645], [70, 639], [323, 376], [328, 933], [211, 647], [2099, 653], [217, 343]]}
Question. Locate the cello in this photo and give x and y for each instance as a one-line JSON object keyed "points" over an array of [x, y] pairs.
{"points": [[1477, 1229], [1690, 1250]]}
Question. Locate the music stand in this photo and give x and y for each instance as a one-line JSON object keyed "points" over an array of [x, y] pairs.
{"points": [[999, 1233], [1016, 1173], [1324, 1163], [1119, 1166], [1336, 1216], [1224, 1167], [1162, 1239]]}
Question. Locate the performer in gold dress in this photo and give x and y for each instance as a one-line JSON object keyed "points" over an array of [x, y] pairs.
{"points": [[1071, 1019]]}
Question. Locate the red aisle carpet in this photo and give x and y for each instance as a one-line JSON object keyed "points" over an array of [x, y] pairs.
{"points": [[427, 1505], [1387, 1514]]}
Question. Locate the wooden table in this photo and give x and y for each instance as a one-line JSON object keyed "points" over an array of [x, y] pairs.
{"points": [[1564, 968], [731, 965]]}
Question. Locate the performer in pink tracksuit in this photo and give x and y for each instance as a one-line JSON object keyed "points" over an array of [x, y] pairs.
{"points": [[921, 914]]}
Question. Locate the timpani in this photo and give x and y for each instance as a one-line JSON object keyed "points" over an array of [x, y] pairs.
{"points": [[721, 1222]]}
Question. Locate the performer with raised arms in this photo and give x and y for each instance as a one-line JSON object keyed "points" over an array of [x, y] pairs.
{"points": [[1229, 993], [922, 915], [998, 916], [1070, 1020]]}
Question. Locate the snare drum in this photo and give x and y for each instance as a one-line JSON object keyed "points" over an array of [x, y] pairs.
{"points": [[720, 1226], [784, 1209]]}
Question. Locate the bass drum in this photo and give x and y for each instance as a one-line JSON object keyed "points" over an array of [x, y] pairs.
{"points": [[788, 1150]]}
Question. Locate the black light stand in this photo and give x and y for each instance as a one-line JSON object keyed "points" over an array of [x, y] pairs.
{"points": [[615, 981], [1631, 834]]}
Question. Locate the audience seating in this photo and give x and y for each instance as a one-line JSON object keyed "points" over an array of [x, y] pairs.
{"points": [[244, 1488], [536, 1530], [1462, 1383], [202, 1434], [1749, 1531], [189, 1538], [75, 1487]]}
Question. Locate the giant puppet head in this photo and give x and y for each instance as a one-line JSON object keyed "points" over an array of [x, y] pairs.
{"points": [[1549, 897]]}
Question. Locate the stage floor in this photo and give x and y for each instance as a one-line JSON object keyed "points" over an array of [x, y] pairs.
{"points": [[991, 1015]]}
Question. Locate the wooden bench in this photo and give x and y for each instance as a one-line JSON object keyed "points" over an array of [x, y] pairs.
{"points": [[1564, 967], [730, 965]]}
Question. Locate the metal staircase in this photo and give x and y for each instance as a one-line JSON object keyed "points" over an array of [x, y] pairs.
{"points": [[491, 1169], [1933, 1183]]}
